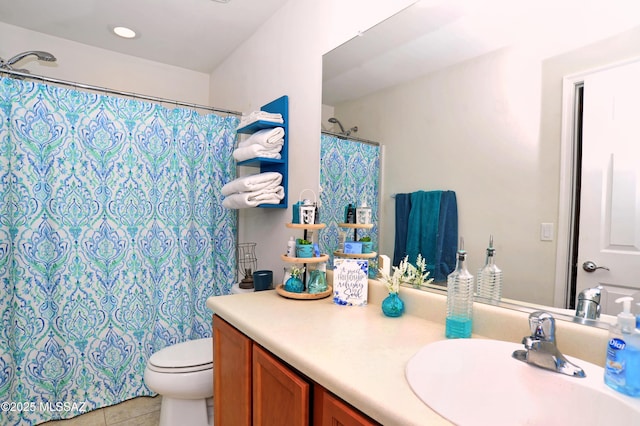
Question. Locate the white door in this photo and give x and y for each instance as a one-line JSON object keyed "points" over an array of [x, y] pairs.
{"points": [[609, 233]]}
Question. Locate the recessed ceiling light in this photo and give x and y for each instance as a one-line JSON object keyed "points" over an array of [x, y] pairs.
{"points": [[124, 32], [222, 1]]}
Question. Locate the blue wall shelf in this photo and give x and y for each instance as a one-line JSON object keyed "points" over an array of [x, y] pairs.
{"points": [[281, 106]]}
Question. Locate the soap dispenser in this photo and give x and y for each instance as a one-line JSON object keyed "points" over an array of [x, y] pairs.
{"points": [[633, 364], [458, 323], [622, 368]]}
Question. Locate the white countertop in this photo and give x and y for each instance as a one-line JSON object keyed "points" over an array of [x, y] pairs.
{"points": [[355, 352]]}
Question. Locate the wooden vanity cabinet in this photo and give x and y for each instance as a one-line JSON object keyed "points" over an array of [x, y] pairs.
{"points": [[231, 375], [252, 386]]}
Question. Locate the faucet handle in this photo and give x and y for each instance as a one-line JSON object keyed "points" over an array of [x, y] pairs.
{"points": [[592, 294], [543, 326]]}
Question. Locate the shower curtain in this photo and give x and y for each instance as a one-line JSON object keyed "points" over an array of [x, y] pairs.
{"points": [[112, 236], [349, 173]]}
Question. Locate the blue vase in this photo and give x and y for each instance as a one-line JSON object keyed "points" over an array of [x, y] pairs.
{"points": [[392, 305], [294, 285]]}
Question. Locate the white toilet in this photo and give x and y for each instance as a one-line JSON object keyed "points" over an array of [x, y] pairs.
{"points": [[183, 375]]}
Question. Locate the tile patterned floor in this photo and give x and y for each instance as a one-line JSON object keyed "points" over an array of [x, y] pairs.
{"points": [[141, 411]]}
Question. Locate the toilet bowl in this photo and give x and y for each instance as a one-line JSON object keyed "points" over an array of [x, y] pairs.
{"points": [[183, 375]]}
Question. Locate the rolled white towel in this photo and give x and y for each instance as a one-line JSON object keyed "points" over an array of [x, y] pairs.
{"points": [[252, 183], [265, 137], [252, 199], [254, 116], [257, 151]]}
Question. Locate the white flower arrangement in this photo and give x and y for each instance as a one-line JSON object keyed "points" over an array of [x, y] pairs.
{"points": [[405, 272], [297, 272], [420, 273]]}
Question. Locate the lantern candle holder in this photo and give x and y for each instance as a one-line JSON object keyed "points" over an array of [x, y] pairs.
{"points": [[247, 263]]}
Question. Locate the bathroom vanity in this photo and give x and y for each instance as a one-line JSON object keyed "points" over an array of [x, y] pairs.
{"points": [[253, 383], [354, 356]]}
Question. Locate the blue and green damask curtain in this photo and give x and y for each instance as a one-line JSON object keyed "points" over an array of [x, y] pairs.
{"points": [[349, 173], [112, 236]]}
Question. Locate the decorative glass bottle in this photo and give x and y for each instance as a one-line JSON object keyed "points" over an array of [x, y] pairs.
{"points": [[459, 298], [490, 277], [392, 305], [318, 279]]}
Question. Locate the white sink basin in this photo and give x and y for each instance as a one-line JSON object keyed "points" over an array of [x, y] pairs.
{"points": [[477, 382]]}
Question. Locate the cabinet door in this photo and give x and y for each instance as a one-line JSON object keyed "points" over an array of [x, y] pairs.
{"points": [[231, 375], [332, 411], [280, 396]]}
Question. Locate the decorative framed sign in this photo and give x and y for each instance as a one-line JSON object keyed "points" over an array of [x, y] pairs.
{"points": [[350, 282]]}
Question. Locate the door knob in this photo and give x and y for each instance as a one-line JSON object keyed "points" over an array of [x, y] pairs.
{"points": [[590, 266]]}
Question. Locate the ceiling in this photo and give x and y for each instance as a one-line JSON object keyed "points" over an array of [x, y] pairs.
{"points": [[192, 34], [434, 34]]}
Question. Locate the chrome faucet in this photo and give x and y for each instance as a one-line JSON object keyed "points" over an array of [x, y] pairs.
{"points": [[540, 347], [589, 303]]}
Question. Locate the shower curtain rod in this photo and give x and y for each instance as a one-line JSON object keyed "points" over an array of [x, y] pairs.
{"points": [[116, 92], [351, 138]]}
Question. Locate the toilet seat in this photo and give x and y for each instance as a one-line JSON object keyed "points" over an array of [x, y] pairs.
{"points": [[190, 356]]}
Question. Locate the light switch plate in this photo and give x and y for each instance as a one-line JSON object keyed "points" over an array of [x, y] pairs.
{"points": [[546, 232]]}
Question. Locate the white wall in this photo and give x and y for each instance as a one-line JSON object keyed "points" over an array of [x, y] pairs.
{"points": [[284, 57], [89, 65]]}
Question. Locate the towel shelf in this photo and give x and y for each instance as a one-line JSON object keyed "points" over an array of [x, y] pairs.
{"points": [[281, 106], [260, 125], [257, 162]]}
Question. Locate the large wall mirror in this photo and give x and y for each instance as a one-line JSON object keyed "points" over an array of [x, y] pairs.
{"points": [[468, 96]]}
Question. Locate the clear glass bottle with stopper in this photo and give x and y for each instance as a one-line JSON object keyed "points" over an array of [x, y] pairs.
{"points": [[459, 298], [490, 276]]}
